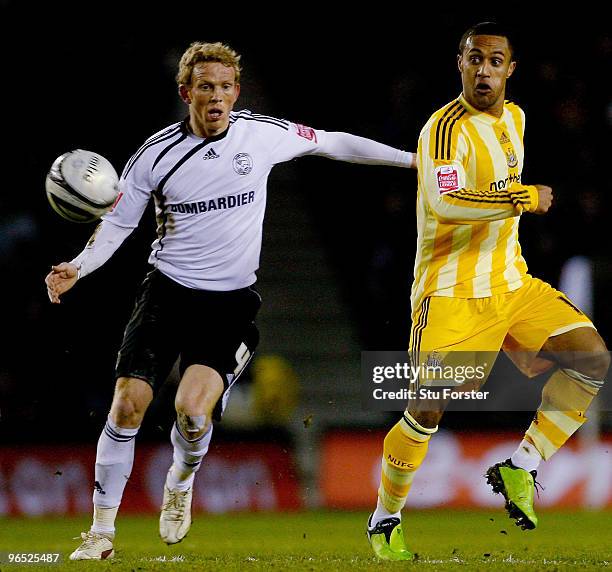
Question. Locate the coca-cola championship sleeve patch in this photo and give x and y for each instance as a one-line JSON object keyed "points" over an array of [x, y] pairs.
{"points": [[448, 178]]}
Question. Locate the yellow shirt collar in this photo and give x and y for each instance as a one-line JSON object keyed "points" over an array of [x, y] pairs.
{"points": [[481, 115]]}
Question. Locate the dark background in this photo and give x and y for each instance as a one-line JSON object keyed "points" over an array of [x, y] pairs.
{"points": [[103, 79]]}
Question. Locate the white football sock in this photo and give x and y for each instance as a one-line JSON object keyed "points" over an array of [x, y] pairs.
{"points": [[381, 513], [104, 520], [526, 456], [187, 458], [114, 460]]}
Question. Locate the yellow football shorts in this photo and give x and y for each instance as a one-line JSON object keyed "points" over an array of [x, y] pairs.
{"points": [[518, 322]]}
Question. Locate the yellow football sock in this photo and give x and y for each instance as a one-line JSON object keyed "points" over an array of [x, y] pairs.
{"points": [[565, 398], [404, 449]]}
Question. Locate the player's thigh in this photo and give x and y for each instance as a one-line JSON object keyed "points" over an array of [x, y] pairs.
{"points": [[223, 336], [152, 336], [457, 331], [454, 343], [536, 313]]}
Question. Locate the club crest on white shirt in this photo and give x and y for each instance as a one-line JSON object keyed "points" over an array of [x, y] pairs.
{"points": [[242, 163]]}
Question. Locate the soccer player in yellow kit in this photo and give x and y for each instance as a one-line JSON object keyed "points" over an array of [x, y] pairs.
{"points": [[472, 293]]}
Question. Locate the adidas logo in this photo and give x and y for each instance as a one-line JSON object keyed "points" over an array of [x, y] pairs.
{"points": [[504, 139], [210, 154]]}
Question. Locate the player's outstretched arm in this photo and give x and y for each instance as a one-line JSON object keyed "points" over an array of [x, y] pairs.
{"points": [[354, 149], [62, 277], [101, 246]]}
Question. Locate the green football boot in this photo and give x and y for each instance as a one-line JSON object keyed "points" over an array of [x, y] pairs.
{"points": [[517, 486], [387, 540]]}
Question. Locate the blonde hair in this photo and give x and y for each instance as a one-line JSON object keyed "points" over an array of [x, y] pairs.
{"points": [[205, 52]]}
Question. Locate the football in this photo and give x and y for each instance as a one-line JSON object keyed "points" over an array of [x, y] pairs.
{"points": [[81, 185]]}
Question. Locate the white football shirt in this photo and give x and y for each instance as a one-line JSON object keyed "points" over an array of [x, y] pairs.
{"points": [[210, 195]]}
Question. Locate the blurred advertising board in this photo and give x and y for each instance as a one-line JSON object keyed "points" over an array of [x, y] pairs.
{"points": [[578, 475], [59, 479]]}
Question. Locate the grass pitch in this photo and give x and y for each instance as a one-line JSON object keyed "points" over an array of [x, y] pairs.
{"points": [[443, 540]]}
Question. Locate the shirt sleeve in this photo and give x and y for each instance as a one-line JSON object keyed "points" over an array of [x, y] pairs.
{"points": [[105, 240], [299, 140], [450, 198], [135, 189], [354, 149]]}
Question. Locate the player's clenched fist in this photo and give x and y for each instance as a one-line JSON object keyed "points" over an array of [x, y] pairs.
{"points": [[545, 199]]}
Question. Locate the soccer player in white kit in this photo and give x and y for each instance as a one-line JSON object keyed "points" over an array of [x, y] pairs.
{"points": [[207, 175]]}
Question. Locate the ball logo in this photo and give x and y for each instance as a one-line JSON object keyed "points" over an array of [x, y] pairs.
{"points": [[448, 179], [242, 163], [91, 169]]}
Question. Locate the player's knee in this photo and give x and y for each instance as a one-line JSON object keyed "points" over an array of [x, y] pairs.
{"points": [[129, 404], [126, 413], [597, 364], [603, 364], [192, 426]]}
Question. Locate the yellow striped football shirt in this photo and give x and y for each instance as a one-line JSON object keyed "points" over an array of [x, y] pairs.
{"points": [[469, 201]]}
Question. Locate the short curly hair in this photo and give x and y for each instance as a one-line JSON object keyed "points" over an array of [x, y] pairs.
{"points": [[206, 52], [487, 29]]}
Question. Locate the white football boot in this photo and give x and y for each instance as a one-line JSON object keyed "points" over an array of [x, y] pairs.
{"points": [[175, 517], [95, 546]]}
